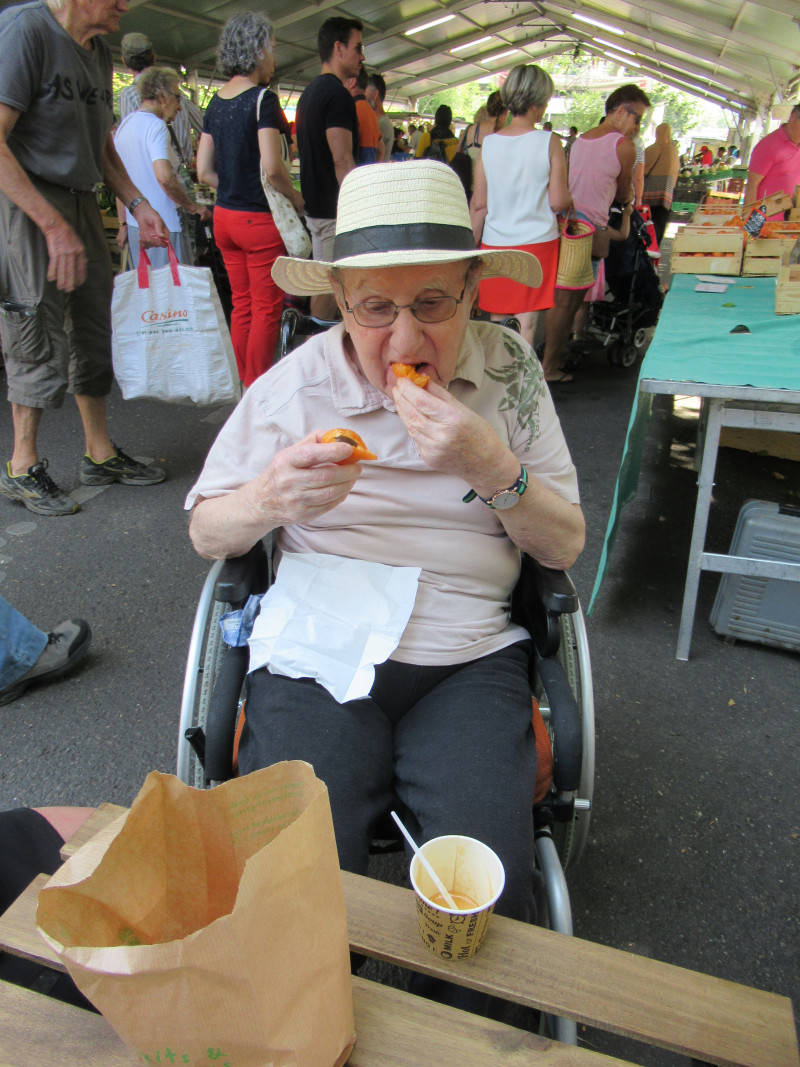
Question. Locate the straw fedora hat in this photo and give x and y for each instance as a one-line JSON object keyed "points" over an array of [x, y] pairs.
{"points": [[402, 214]]}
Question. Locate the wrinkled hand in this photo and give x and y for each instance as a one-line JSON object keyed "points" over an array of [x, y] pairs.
{"points": [[453, 439], [303, 482], [122, 238], [204, 213], [67, 257], [153, 232]]}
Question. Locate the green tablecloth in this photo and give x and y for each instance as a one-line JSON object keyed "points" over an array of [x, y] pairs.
{"points": [[693, 343]]}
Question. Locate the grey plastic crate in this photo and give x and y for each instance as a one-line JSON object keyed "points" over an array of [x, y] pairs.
{"points": [[765, 610]]}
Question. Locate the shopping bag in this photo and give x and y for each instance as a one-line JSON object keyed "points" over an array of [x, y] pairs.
{"points": [[575, 253], [169, 338], [214, 921], [294, 235]]}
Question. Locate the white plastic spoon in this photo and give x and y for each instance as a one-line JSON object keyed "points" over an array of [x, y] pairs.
{"points": [[435, 877]]}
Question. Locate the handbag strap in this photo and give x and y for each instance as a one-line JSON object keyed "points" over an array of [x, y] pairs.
{"points": [[284, 146], [660, 154], [176, 146], [143, 269]]}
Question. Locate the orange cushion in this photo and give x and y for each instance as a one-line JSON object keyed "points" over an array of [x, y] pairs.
{"points": [[544, 755]]}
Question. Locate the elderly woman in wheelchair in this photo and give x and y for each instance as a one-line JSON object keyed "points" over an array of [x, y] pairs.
{"points": [[421, 545]]}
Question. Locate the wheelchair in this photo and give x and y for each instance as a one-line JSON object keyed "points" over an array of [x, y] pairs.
{"points": [[544, 602]]}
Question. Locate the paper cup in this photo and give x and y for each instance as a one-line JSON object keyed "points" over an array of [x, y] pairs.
{"points": [[469, 869]]}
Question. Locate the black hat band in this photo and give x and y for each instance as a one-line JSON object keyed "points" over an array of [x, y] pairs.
{"points": [[414, 236]]}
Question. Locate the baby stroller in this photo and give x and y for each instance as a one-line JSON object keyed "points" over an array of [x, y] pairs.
{"points": [[619, 325]]}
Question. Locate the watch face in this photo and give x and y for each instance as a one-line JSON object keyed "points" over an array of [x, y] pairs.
{"points": [[505, 500]]}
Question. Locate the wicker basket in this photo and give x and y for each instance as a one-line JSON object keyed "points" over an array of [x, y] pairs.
{"points": [[575, 254]]}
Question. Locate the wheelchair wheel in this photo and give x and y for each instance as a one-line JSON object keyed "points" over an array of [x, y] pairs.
{"points": [[570, 837], [206, 651]]}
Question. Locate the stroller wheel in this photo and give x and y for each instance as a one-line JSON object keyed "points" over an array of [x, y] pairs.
{"points": [[640, 337], [613, 352], [628, 354]]}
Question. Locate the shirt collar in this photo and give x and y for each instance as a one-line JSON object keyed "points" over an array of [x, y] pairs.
{"points": [[354, 395]]}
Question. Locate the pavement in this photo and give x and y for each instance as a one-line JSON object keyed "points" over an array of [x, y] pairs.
{"points": [[694, 849]]}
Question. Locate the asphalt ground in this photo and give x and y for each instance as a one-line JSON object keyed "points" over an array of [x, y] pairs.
{"points": [[695, 837]]}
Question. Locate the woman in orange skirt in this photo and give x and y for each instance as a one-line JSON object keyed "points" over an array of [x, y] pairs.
{"points": [[520, 184]]}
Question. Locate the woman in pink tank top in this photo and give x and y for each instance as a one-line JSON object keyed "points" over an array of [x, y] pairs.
{"points": [[600, 170]]}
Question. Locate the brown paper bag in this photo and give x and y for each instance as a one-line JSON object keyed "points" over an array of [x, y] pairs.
{"points": [[212, 927]]}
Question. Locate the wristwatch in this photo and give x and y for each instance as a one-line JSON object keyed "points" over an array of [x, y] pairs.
{"points": [[135, 203], [503, 499]]}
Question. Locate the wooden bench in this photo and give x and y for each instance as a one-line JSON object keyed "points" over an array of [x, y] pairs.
{"points": [[656, 1003]]}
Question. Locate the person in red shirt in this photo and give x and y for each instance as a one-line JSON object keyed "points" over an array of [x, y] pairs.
{"points": [[775, 162]]}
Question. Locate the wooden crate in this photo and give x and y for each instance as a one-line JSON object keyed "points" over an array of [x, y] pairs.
{"points": [[715, 213], [787, 291], [764, 256], [698, 250]]}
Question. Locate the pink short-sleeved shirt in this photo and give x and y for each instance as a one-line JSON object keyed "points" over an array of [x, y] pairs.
{"points": [[777, 157], [401, 512]]}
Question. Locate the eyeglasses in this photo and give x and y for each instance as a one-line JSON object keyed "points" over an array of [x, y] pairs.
{"points": [[634, 115], [376, 313]]}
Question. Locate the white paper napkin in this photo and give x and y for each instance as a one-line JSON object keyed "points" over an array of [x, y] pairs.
{"points": [[332, 619]]}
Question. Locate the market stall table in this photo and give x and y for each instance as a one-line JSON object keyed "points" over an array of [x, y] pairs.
{"points": [[746, 380], [655, 1003]]}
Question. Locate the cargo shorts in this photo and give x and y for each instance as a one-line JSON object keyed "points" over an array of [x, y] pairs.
{"points": [[54, 341]]}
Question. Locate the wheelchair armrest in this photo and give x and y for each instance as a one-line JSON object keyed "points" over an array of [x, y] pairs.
{"points": [[553, 588], [565, 719], [223, 709], [539, 597], [243, 575]]}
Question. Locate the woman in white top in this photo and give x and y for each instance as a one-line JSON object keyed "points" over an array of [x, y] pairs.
{"points": [[143, 143], [520, 183]]}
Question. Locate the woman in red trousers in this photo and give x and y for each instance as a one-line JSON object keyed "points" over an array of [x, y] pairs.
{"points": [[243, 127]]}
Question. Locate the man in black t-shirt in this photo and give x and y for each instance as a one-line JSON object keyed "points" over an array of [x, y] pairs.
{"points": [[327, 138]]}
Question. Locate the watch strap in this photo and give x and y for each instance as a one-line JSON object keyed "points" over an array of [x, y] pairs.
{"points": [[135, 203], [519, 487]]}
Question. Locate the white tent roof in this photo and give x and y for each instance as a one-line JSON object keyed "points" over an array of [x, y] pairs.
{"points": [[744, 54]]}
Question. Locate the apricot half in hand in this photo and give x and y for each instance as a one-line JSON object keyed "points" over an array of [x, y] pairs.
{"points": [[360, 450], [408, 370]]}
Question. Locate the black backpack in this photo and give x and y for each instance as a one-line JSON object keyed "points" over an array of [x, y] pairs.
{"points": [[436, 150]]}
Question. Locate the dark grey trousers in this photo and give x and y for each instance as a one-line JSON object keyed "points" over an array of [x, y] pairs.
{"points": [[454, 744]]}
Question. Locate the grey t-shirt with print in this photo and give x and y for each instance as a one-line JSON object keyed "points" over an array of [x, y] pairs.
{"points": [[63, 93]]}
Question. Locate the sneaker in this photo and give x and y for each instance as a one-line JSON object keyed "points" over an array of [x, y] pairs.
{"points": [[36, 490], [66, 645], [120, 468]]}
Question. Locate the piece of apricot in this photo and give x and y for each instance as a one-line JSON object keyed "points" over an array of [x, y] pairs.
{"points": [[408, 370], [349, 437]]}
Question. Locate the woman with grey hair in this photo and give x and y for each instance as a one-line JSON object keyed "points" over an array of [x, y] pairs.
{"points": [[243, 129], [520, 183], [143, 143]]}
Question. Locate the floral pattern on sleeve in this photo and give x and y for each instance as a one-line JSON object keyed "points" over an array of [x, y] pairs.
{"points": [[524, 383]]}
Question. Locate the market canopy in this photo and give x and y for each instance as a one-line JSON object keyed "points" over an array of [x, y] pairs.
{"points": [[742, 54]]}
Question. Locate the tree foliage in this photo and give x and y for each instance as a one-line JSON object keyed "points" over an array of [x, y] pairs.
{"points": [[464, 100], [680, 109]]}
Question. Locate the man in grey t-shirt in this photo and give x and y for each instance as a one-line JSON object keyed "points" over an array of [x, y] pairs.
{"points": [[56, 112]]}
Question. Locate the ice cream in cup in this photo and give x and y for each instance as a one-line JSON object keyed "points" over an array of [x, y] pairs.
{"points": [[474, 877]]}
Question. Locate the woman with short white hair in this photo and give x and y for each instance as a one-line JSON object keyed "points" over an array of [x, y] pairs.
{"points": [[143, 143]]}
